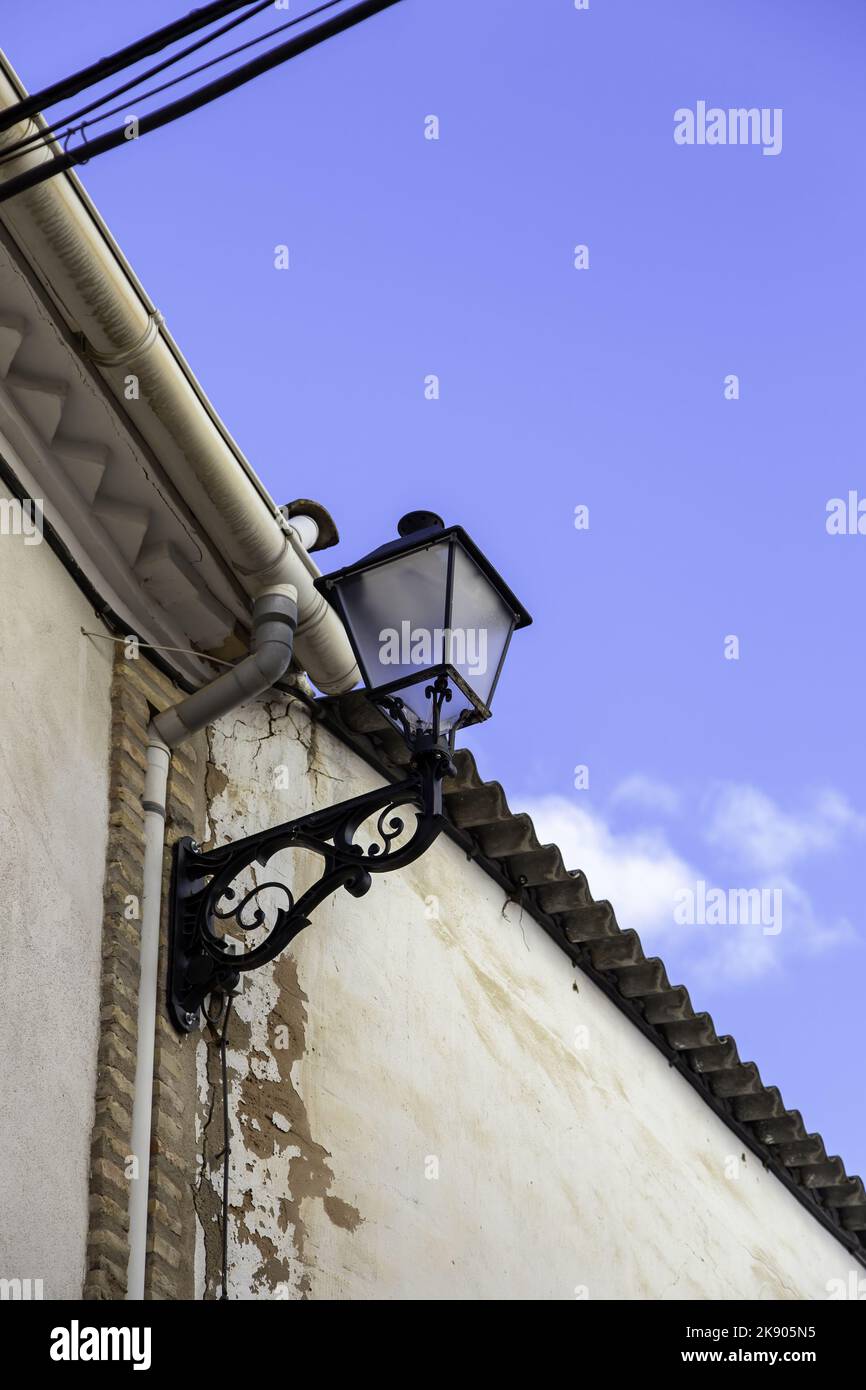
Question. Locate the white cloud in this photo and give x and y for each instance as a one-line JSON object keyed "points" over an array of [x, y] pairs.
{"points": [[638, 872], [749, 828], [641, 873], [646, 793]]}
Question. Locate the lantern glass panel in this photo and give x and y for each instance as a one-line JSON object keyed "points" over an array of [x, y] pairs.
{"points": [[396, 612], [419, 706], [481, 625]]}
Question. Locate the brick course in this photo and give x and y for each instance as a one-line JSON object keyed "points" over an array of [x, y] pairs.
{"points": [[139, 690]]}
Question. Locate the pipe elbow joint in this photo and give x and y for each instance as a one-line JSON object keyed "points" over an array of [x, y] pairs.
{"points": [[275, 617], [272, 660], [275, 614], [275, 621]]}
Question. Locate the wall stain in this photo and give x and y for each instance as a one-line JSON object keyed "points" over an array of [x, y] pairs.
{"points": [[347, 1217], [763, 1267], [560, 1063]]}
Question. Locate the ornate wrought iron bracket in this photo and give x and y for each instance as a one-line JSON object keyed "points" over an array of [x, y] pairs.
{"points": [[205, 900]]}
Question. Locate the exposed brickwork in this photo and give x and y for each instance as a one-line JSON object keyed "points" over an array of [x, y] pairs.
{"points": [[138, 689]]}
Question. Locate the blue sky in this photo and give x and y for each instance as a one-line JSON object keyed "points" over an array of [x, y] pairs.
{"points": [[558, 387]]}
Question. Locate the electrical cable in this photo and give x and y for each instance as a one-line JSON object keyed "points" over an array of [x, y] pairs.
{"points": [[101, 607], [220, 1034], [115, 62], [164, 115], [151, 647], [44, 135], [64, 128]]}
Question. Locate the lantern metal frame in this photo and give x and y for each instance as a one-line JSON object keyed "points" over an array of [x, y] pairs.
{"points": [[421, 531]]}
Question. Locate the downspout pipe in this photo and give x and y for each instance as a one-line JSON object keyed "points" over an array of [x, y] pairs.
{"points": [[275, 619]]}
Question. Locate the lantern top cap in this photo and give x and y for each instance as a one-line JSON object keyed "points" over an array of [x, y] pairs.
{"points": [[419, 530], [413, 522]]}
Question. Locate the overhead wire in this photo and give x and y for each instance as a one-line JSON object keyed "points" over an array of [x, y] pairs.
{"points": [[211, 91], [50, 130], [64, 127], [116, 62]]}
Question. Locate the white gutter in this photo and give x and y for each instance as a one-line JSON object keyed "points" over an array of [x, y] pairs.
{"points": [[59, 233], [274, 621]]}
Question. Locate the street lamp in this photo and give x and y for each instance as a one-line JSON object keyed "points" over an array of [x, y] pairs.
{"points": [[430, 621]]}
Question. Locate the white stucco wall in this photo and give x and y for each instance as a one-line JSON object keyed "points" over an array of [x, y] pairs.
{"points": [[53, 827], [434, 1126]]}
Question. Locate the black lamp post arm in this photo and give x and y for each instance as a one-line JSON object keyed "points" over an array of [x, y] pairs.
{"points": [[204, 896]]}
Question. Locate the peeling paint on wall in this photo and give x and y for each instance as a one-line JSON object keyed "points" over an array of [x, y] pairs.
{"points": [[278, 1167]]}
